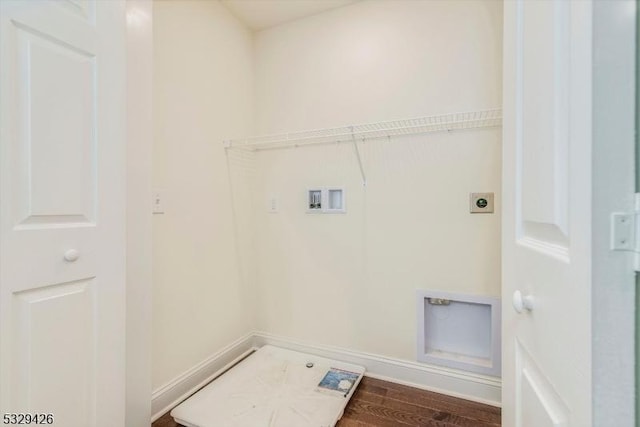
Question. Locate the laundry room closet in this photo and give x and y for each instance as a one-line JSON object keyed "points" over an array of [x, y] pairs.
{"points": [[317, 186]]}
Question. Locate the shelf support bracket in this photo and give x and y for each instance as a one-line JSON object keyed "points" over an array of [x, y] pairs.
{"points": [[355, 146]]}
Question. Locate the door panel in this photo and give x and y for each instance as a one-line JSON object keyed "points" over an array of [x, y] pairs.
{"points": [[547, 220], [537, 403], [543, 113], [48, 322], [62, 229], [56, 115]]}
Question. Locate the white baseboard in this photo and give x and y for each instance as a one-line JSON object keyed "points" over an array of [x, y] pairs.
{"points": [[166, 397], [452, 382], [466, 385]]}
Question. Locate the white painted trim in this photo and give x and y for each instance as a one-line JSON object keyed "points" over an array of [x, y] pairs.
{"points": [[166, 397], [139, 226], [452, 382]]}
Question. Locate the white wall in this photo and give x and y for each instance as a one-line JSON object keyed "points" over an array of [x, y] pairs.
{"points": [[202, 94], [378, 60], [350, 280]]}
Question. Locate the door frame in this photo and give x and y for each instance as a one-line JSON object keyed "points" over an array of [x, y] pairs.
{"points": [[139, 219], [613, 186]]}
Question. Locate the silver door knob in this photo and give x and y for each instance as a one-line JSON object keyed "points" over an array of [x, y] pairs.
{"points": [[521, 302], [71, 255]]}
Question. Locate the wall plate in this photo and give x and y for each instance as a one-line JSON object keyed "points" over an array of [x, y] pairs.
{"points": [[272, 204], [481, 202], [326, 200], [158, 201]]}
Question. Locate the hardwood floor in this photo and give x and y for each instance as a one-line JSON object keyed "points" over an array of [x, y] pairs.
{"points": [[384, 404]]}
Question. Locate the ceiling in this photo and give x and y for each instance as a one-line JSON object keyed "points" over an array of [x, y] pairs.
{"points": [[261, 14]]}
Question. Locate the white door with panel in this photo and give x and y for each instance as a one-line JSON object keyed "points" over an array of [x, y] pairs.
{"points": [[62, 229], [547, 214]]}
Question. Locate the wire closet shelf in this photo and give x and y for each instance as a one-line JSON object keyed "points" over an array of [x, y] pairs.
{"points": [[387, 129]]}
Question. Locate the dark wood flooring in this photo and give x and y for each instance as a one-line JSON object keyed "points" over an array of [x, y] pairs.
{"points": [[384, 404]]}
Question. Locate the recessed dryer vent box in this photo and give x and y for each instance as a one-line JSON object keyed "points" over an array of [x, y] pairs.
{"points": [[459, 331]]}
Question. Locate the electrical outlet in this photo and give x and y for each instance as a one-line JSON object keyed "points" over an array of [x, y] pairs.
{"points": [[481, 203]]}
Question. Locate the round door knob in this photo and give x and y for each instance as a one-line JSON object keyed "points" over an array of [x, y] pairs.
{"points": [[521, 302], [71, 255]]}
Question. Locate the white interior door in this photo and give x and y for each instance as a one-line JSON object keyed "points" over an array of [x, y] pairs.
{"points": [[62, 229], [547, 214]]}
